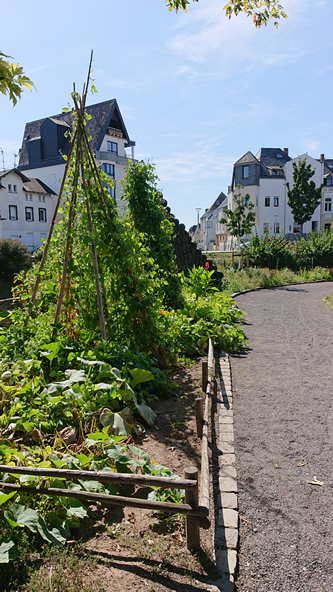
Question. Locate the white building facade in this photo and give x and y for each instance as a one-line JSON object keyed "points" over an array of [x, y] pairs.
{"points": [[263, 177], [26, 208]]}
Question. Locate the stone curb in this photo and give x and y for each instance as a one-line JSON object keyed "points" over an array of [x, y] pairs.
{"points": [[226, 530]]}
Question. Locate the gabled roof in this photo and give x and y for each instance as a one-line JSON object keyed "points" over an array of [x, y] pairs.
{"points": [[103, 115], [221, 198], [37, 186], [29, 185], [247, 159], [16, 171]]}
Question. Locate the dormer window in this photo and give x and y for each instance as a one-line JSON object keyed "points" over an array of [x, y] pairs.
{"points": [[246, 170], [112, 147]]}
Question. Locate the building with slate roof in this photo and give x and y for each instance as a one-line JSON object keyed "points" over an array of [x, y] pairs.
{"points": [[208, 223], [26, 208], [46, 140], [263, 177]]}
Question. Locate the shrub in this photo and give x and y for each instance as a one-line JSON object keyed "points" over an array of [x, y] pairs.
{"points": [[14, 257], [272, 252]]}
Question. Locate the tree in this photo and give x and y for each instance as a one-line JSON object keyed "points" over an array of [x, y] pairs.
{"points": [[261, 11], [304, 197], [12, 79], [241, 219]]}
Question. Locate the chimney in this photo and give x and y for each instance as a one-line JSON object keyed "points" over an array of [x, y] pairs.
{"points": [[322, 158], [286, 150], [229, 188]]}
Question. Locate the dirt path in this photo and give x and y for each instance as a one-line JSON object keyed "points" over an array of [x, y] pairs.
{"points": [[283, 393]]}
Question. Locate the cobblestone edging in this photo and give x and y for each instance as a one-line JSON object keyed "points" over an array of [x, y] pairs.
{"points": [[226, 530]]}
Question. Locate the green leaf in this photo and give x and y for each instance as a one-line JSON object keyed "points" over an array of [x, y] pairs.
{"points": [[146, 412], [8, 552], [116, 421], [76, 508], [24, 516], [141, 375], [51, 350], [6, 496]]}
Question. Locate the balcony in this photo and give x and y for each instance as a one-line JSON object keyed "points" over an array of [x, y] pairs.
{"points": [[112, 157]]}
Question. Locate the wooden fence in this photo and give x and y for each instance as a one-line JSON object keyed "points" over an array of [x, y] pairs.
{"points": [[197, 505]]}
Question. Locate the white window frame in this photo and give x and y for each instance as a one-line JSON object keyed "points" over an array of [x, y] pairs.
{"points": [[43, 212], [29, 210], [112, 147]]}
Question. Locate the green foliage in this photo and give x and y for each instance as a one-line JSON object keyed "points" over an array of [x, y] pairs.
{"points": [[272, 252], [241, 219], [261, 11], [200, 280], [276, 252], [150, 216], [12, 79], [304, 196], [14, 257]]}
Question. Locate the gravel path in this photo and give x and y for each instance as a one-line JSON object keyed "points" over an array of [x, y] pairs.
{"points": [[283, 391]]}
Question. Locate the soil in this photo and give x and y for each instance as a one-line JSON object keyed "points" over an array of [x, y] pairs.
{"points": [[138, 550], [283, 441]]}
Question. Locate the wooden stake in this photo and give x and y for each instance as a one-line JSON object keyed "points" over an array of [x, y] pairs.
{"points": [[199, 415], [204, 374], [192, 522]]}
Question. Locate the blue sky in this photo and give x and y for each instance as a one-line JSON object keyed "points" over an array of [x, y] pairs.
{"points": [[196, 90]]}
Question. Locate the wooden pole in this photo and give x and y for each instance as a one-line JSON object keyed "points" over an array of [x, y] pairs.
{"points": [[247, 259], [101, 476], [199, 415], [192, 522], [112, 500], [242, 259], [204, 373], [233, 259], [205, 479], [94, 256]]}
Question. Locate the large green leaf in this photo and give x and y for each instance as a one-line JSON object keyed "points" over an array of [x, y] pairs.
{"points": [[51, 350], [24, 516], [8, 552], [146, 412], [118, 422], [76, 508], [141, 375], [6, 496]]}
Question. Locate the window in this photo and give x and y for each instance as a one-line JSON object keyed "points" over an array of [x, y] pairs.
{"points": [[328, 204], [13, 213], [112, 147], [29, 214], [14, 188], [276, 227], [9, 188], [112, 192], [245, 172], [267, 202], [109, 169], [42, 214], [41, 198], [28, 197], [329, 181], [275, 201], [266, 227]]}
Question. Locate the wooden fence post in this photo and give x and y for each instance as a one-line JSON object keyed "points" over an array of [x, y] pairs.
{"points": [[199, 404], [242, 256], [204, 375], [232, 259], [192, 522], [247, 259]]}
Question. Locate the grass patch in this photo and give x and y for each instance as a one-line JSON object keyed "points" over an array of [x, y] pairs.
{"points": [[57, 569], [240, 280]]}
